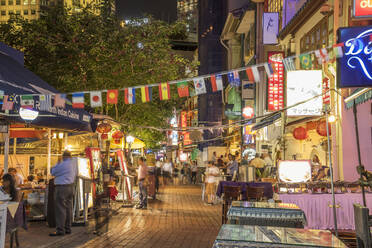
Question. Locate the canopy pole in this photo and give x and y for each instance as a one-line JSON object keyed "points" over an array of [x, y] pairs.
{"points": [[15, 146], [6, 149], [49, 152]]}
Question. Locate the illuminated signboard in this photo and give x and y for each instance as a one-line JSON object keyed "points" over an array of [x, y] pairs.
{"points": [[354, 69], [362, 9], [276, 82], [294, 171], [303, 85]]}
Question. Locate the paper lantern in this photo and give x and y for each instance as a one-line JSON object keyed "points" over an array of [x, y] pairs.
{"points": [[300, 133], [104, 128], [321, 129], [117, 135]]}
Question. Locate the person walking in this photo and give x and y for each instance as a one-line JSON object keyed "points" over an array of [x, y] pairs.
{"points": [[211, 173], [142, 183], [167, 171], [232, 168], [194, 171], [65, 174], [259, 164]]}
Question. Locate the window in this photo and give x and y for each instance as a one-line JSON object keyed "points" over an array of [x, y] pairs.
{"points": [[25, 12], [10, 12], [18, 12], [33, 12], [10, 2], [3, 12], [33, 2], [18, 2], [3, 2], [25, 2]]}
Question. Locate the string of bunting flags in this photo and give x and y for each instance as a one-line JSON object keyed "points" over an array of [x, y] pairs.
{"points": [[146, 91]]}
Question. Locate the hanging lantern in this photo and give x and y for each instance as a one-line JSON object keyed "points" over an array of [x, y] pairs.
{"points": [[321, 129], [300, 133], [104, 128], [117, 135], [104, 136]]}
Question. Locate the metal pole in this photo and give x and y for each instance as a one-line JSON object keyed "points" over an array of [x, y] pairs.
{"points": [[49, 152], [6, 150], [331, 172], [360, 167]]}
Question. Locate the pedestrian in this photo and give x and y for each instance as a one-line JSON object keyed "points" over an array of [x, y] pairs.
{"points": [[158, 166], [211, 173], [167, 171], [232, 168], [142, 183], [259, 164], [182, 173], [194, 171], [9, 187], [18, 178], [175, 174], [65, 174], [214, 157]]}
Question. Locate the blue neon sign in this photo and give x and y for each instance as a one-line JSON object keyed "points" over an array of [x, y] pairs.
{"points": [[355, 67]]}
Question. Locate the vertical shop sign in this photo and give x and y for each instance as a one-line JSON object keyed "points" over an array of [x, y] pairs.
{"points": [[186, 135], [270, 28], [276, 82]]}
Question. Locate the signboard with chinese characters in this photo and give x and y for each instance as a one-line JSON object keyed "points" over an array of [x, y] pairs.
{"points": [[276, 82], [186, 135], [270, 28], [362, 9], [302, 86], [354, 69]]}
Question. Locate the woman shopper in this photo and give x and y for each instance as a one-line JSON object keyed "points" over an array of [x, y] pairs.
{"points": [[9, 187], [211, 173]]}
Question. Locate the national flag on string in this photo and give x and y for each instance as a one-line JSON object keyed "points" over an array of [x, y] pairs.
{"points": [[95, 99], [183, 89], [322, 55], [217, 83], [269, 69], [164, 91], [289, 64], [199, 84], [253, 74], [130, 96], [338, 51], [234, 78], [146, 93], [305, 61], [45, 102], [27, 101], [60, 100], [112, 96], [8, 102], [78, 100], [1, 96]]}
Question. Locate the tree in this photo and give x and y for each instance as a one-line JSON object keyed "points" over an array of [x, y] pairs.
{"points": [[85, 51]]}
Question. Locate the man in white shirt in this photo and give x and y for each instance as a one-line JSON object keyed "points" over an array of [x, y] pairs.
{"points": [[142, 184], [18, 178], [167, 171], [212, 172]]}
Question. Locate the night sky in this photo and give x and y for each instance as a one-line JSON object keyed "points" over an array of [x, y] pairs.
{"points": [[165, 10]]}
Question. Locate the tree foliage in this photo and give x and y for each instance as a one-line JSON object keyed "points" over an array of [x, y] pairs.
{"points": [[85, 51]]}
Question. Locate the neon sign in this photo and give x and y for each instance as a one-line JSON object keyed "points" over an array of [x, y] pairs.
{"points": [[362, 8], [355, 67]]}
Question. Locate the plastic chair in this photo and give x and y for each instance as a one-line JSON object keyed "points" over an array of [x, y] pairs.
{"points": [[362, 224], [230, 194]]}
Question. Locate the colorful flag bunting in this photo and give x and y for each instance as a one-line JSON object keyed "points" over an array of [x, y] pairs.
{"points": [[112, 96], [96, 99], [305, 61], [183, 89], [322, 55], [217, 83], [199, 84], [289, 64], [164, 91], [253, 74], [1, 96], [8, 102], [78, 100], [269, 69], [234, 78], [130, 96], [45, 102], [60, 100], [338, 51], [146, 93], [27, 101]]}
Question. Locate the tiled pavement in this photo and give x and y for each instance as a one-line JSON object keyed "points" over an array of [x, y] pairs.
{"points": [[178, 218]]}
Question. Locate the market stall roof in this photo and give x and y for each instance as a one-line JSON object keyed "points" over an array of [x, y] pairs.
{"points": [[15, 79]]}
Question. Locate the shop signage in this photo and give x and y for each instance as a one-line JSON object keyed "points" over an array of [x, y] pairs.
{"points": [[362, 9], [276, 82], [270, 27], [290, 8], [355, 67], [294, 171], [303, 85]]}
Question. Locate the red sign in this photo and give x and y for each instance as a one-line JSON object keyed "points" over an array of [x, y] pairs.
{"points": [[363, 8], [186, 135], [326, 94], [94, 155], [276, 82]]}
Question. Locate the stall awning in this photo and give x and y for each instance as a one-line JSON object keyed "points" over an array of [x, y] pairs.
{"points": [[359, 96], [267, 121], [17, 80]]}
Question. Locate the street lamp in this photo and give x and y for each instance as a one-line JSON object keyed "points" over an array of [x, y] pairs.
{"points": [[28, 114], [130, 139]]}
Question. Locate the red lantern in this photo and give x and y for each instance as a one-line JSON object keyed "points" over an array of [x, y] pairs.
{"points": [[104, 128], [300, 133], [117, 135], [321, 129]]}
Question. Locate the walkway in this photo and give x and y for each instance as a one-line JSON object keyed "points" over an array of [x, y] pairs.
{"points": [[178, 218]]}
